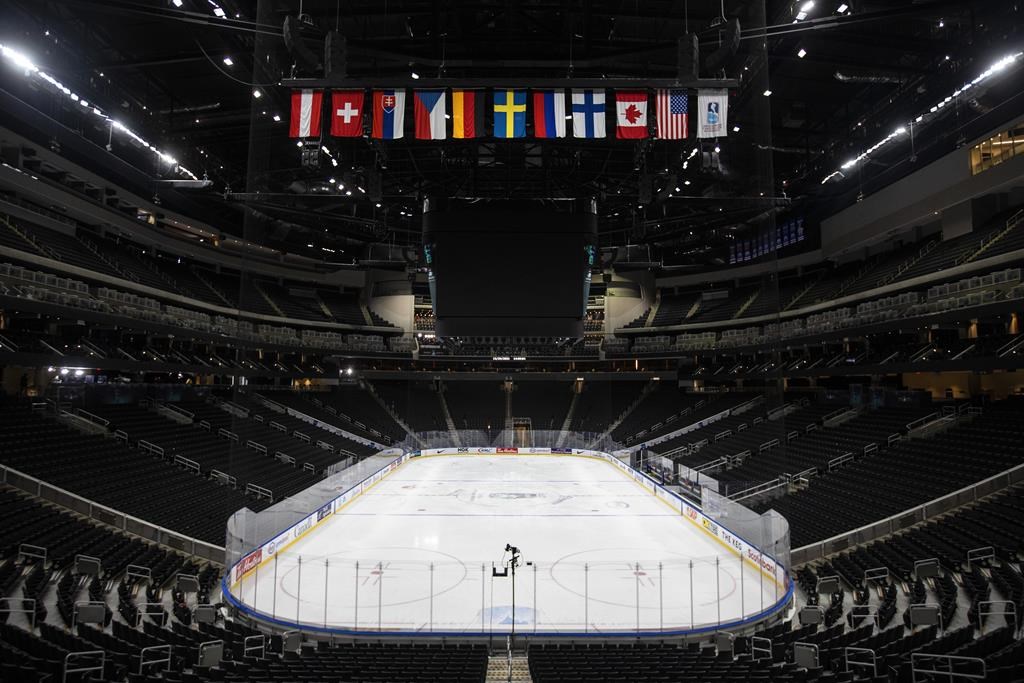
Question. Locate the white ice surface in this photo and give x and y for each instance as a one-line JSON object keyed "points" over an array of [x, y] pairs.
{"points": [[600, 554]]}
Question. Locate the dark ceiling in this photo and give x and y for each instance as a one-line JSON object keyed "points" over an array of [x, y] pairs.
{"points": [[863, 72]]}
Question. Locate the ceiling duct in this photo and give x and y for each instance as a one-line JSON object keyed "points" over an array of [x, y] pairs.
{"points": [[868, 78]]}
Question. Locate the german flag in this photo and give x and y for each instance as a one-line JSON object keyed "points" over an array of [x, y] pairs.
{"points": [[467, 113]]}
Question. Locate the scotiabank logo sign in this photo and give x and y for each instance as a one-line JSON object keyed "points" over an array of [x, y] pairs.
{"points": [[761, 561], [248, 563]]}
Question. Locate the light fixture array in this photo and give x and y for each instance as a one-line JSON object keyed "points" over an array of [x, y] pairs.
{"points": [[934, 111], [24, 63]]}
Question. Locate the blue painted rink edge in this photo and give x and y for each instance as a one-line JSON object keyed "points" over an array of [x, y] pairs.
{"points": [[366, 633]]}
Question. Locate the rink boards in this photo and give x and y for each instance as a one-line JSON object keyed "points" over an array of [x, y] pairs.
{"points": [[729, 542]]}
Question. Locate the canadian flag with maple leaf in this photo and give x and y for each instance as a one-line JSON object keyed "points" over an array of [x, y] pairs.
{"points": [[630, 114]]}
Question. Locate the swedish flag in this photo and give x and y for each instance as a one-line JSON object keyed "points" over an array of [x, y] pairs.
{"points": [[509, 113]]}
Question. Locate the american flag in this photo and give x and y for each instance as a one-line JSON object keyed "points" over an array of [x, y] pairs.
{"points": [[673, 116]]}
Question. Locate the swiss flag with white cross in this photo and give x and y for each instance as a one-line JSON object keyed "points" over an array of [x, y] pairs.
{"points": [[347, 113]]}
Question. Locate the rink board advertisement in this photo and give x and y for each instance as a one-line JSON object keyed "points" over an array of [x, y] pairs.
{"points": [[734, 543], [268, 549]]}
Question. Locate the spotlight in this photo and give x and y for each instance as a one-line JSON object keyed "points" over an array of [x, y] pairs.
{"points": [[228, 61], [256, 93]]}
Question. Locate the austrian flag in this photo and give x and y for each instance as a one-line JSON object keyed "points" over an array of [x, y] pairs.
{"points": [[305, 120], [630, 114]]}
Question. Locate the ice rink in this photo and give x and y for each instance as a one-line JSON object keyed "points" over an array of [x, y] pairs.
{"points": [[600, 554]]}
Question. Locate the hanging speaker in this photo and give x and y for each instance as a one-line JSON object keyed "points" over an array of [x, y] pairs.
{"points": [[730, 44], [687, 56], [335, 55], [297, 48]]}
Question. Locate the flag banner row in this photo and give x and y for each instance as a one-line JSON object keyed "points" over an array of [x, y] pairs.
{"points": [[549, 111]]}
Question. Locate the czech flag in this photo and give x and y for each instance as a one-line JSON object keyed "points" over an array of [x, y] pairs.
{"points": [[467, 113], [388, 114], [549, 113], [429, 110], [509, 113], [306, 107]]}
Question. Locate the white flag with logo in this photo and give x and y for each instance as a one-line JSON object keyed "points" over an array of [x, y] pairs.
{"points": [[712, 113]]}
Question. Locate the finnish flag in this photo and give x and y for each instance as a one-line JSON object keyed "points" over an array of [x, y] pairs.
{"points": [[588, 113]]}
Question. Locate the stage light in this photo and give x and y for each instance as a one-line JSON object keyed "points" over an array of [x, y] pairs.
{"points": [[256, 93], [842, 8], [801, 53], [228, 61], [277, 117], [767, 93]]}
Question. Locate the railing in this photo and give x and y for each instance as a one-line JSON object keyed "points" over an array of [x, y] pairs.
{"points": [[836, 463], [81, 422], [111, 517], [1010, 346], [839, 412], [909, 517], [150, 447], [718, 463], [187, 463], [767, 445], [258, 447], [759, 489], [93, 417], [971, 254], [932, 427], [946, 667], [259, 491], [911, 426], [224, 478]]}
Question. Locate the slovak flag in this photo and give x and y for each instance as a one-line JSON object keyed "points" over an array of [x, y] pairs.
{"points": [[630, 114], [549, 113], [306, 107], [429, 110], [388, 114], [347, 113], [588, 114]]}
